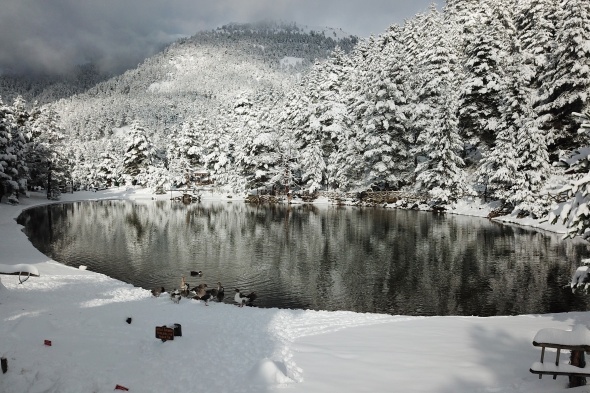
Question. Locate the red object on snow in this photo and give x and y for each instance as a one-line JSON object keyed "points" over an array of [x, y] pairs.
{"points": [[120, 387], [47, 342]]}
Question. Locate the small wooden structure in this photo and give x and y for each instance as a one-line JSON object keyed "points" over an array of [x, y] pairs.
{"points": [[577, 341], [23, 271]]}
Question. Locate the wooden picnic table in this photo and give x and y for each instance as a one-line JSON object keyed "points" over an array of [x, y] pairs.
{"points": [[576, 340]]}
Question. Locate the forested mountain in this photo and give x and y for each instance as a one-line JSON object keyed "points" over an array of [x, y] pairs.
{"points": [[197, 77], [477, 100]]}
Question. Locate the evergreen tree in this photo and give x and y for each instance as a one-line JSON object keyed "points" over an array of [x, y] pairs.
{"points": [[531, 146], [48, 163], [575, 213], [139, 155], [497, 170], [6, 158], [19, 129], [535, 21], [439, 142], [379, 109], [319, 121], [184, 151], [566, 83], [482, 89], [219, 146], [109, 166]]}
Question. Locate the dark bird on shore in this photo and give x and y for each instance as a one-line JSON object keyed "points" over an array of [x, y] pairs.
{"points": [[158, 291], [242, 299], [220, 292]]}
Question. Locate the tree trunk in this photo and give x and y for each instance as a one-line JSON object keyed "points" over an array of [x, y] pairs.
{"points": [[49, 182], [577, 359]]}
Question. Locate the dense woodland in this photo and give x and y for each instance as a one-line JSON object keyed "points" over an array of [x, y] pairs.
{"points": [[485, 98]]}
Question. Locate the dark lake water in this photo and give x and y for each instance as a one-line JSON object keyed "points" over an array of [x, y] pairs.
{"points": [[323, 258]]}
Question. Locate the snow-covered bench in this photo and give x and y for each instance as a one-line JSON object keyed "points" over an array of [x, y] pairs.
{"points": [[577, 339], [24, 271]]}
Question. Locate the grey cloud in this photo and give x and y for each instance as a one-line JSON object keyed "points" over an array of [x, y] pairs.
{"points": [[54, 35]]}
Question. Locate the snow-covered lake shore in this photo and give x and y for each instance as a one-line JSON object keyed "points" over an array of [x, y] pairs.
{"points": [[224, 348]]}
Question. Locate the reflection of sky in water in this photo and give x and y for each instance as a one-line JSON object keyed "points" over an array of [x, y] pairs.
{"points": [[332, 258]]}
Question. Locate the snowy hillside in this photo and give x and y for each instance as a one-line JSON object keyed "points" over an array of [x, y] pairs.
{"points": [[197, 75]]}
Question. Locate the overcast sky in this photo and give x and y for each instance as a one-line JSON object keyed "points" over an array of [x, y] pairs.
{"points": [[51, 35]]}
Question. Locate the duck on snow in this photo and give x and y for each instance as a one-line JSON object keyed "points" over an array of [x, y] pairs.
{"points": [[242, 299]]}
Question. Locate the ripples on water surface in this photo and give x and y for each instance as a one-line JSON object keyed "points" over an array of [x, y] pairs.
{"points": [[328, 258]]}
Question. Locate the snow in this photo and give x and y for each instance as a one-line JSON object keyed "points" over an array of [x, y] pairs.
{"points": [[580, 276], [579, 335], [290, 61], [225, 348]]}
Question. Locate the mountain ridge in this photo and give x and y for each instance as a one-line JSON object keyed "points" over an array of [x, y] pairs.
{"points": [[195, 75]]}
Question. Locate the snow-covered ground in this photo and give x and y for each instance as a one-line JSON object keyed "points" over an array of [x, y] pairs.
{"points": [[224, 348]]}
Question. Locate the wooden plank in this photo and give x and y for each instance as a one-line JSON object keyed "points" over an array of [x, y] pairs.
{"points": [[19, 269], [554, 373], [585, 348]]}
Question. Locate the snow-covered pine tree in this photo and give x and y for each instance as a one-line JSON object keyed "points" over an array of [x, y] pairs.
{"points": [[19, 129], [258, 156], [535, 23], [109, 167], [482, 90], [497, 170], [566, 83], [506, 167], [378, 108], [184, 150], [575, 213], [440, 172], [318, 121], [6, 159], [531, 146], [46, 158], [219, 147], [139, 155]]}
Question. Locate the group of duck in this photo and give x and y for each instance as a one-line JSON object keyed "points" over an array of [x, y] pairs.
{"points": [[201, 292]]}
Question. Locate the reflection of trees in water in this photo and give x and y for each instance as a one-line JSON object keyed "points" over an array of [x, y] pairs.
{"points": [[375, 260]]}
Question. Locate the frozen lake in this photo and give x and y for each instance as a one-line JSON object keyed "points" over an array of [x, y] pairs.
{"points": [[318, 257]]}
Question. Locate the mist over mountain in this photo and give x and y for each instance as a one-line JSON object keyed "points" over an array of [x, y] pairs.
{"points": [[46, 87], [52, 37]]}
